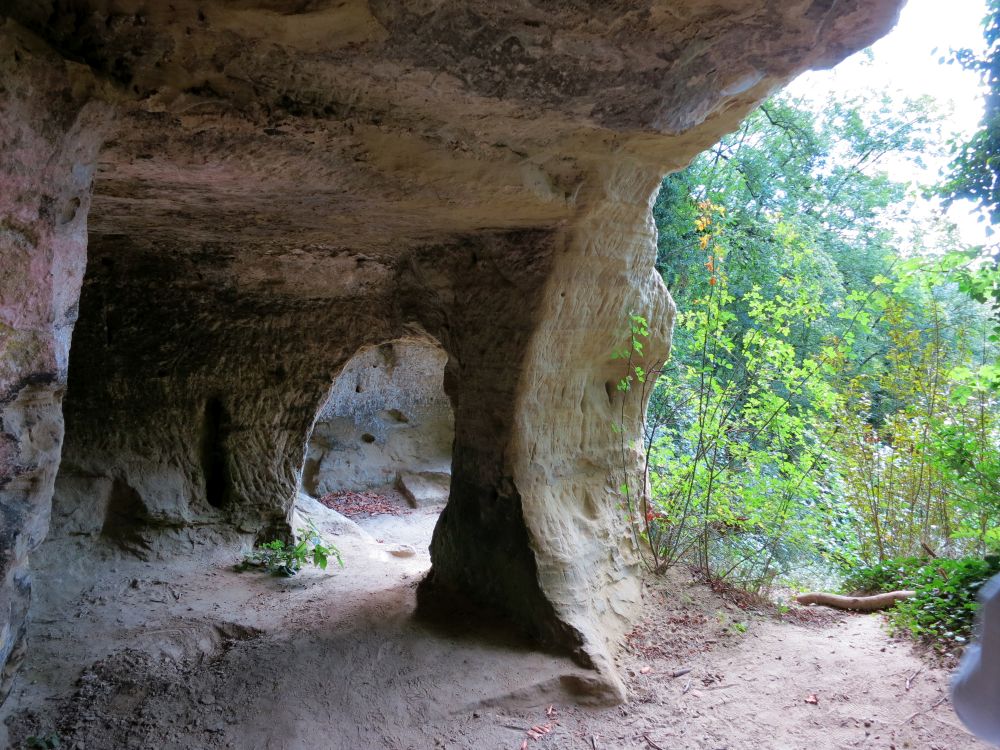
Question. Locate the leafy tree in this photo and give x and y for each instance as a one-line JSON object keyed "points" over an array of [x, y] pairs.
{"points": [[975, 170], [824, 400], [736, 472], [790, 168]]}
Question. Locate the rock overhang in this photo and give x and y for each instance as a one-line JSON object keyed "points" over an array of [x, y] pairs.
{"points": [[429, 117]]}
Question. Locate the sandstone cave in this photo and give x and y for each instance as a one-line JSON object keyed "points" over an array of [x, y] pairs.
{"points": [[248, 247]]}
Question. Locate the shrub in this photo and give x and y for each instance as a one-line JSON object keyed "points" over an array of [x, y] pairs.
{"points": [[279, 558], [943, 610], [890, 575]]}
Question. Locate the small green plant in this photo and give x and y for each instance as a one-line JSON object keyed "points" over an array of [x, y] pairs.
{"points": [[740, 627], [279, 558]]}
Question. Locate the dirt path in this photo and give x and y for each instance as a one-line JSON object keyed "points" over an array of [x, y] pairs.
{"points": [[757, 689], [127, 654]]}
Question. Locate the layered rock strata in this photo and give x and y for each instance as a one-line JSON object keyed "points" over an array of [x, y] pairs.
{"points": [[291, 182]]}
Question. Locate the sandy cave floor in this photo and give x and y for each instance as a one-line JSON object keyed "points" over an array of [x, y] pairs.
{"points": [[128, 654]]}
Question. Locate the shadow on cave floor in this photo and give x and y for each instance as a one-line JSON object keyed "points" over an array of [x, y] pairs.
{"points": [[191, 654]]}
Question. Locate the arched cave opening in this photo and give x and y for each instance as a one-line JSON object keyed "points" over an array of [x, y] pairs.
{"points": [[381, 447]]}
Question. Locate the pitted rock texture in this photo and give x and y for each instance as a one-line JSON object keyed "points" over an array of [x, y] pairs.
{"points": [[387, 415], [292, 182]]}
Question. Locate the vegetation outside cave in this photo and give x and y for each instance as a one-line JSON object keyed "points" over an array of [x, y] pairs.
{"points": [[829, 416]]}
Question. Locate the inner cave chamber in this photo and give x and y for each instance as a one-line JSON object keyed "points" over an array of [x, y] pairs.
{"points": [[211, 212], [387, 423]]}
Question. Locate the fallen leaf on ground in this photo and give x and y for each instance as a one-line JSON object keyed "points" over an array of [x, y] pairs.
{"points": [[361, 504], [645, 670], [812, 699]]}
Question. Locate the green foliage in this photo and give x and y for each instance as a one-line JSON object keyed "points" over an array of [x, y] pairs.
{"points": [[737, 425], [901, 472], [944, 608], [889, 575], [279, 558], [829, 400]]}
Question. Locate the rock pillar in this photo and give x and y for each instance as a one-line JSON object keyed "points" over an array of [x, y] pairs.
{"points": [[545, 492]]}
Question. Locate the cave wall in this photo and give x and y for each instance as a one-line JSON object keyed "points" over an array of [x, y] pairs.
{"points": [[194, 391], [193, 394], [49, 136], [289, 182]]}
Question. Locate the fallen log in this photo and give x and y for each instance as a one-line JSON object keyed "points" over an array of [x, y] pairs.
{"points": [[858, 603]]}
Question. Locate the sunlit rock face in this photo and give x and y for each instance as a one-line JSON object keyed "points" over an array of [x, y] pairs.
{"points": [[291, 182]]}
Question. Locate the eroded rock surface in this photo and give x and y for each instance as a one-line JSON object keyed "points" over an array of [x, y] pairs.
{"points": [[425, 488], [292, 182], [49, 134]]}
